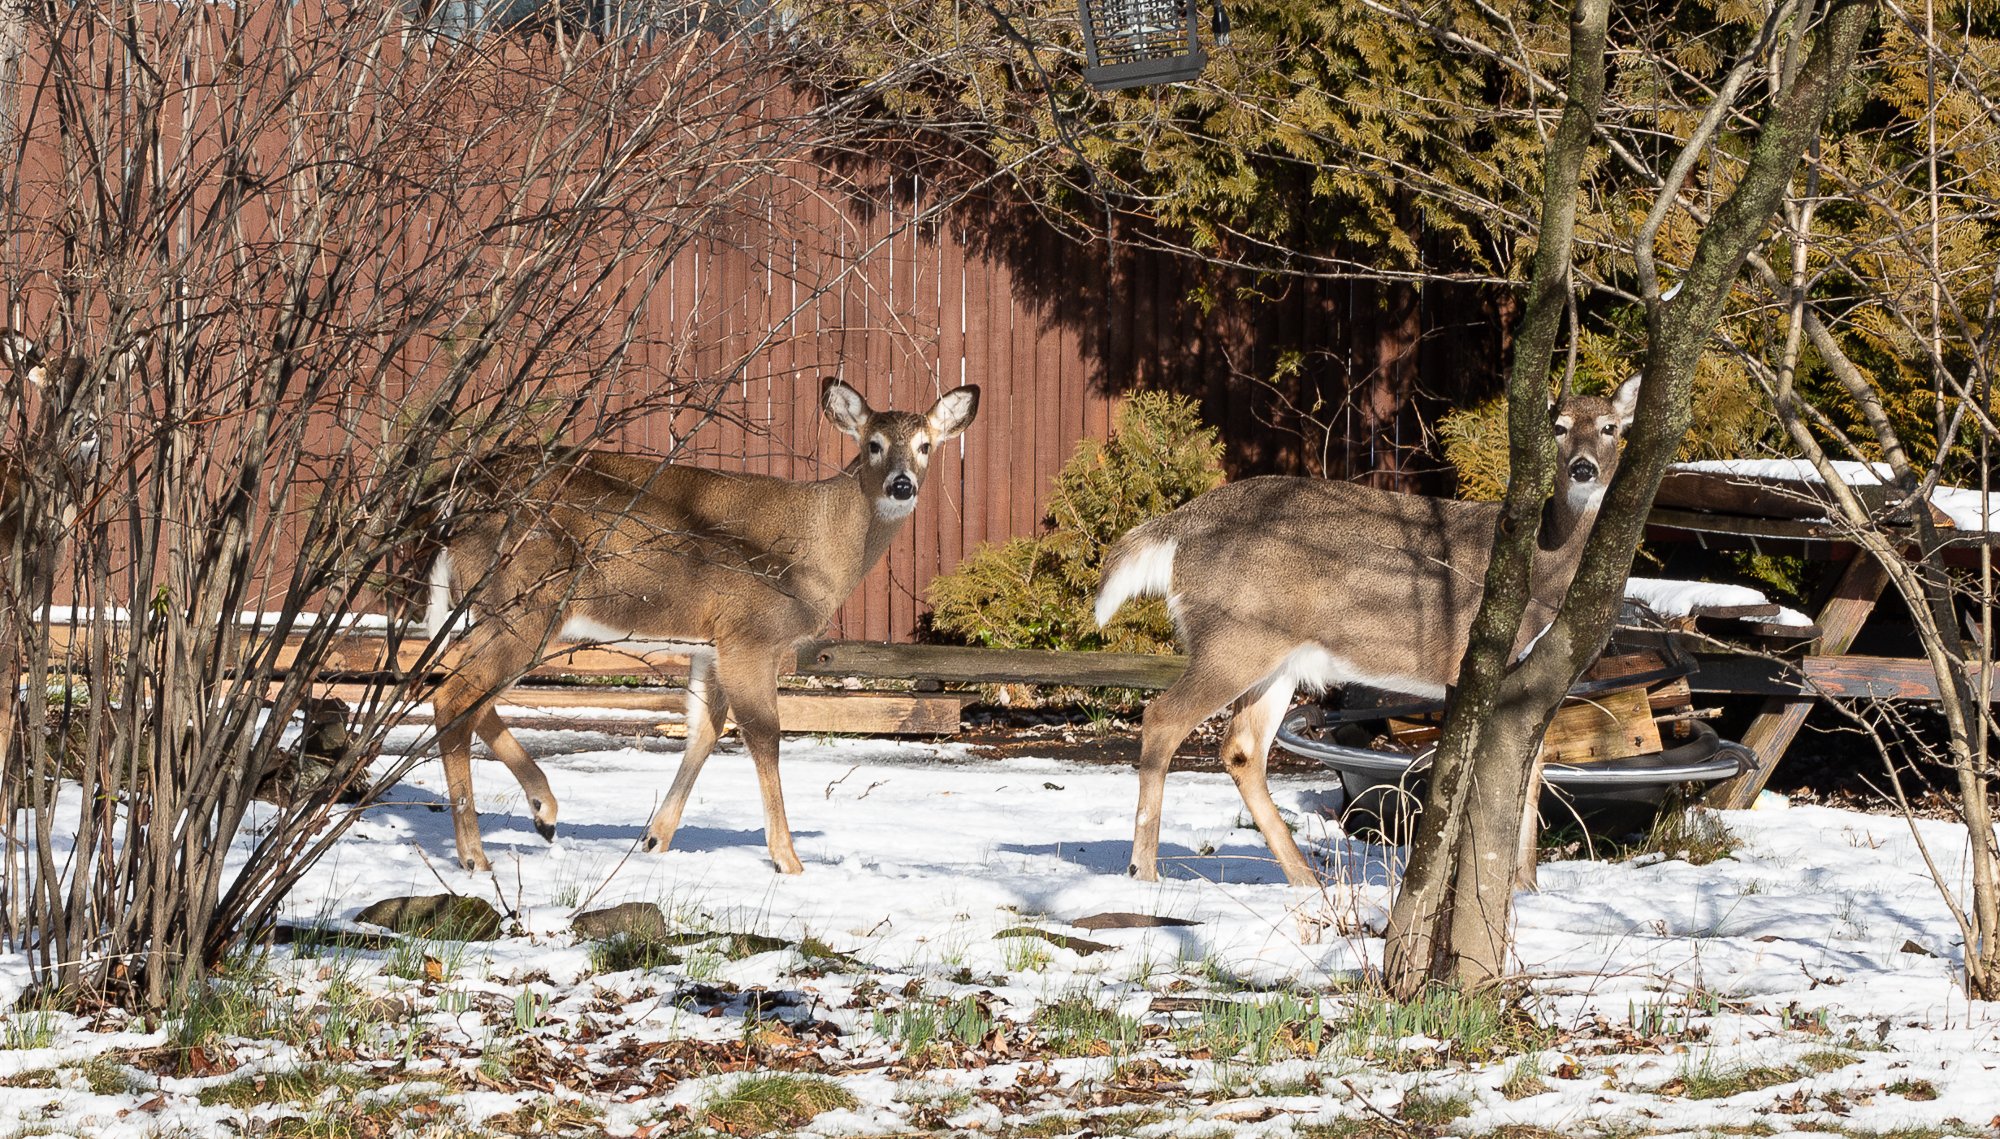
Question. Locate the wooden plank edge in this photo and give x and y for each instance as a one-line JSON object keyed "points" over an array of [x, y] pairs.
{"points": [[963, 665], [1847, 677], [847, 713]]}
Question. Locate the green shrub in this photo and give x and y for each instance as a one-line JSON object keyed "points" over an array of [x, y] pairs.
{"points": [[1037, 593], [764, 1102]]}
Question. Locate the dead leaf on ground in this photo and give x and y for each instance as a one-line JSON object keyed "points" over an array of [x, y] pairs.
{"points": [[1119, 919]]}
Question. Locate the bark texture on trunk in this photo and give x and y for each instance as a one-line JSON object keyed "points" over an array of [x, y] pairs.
{"points": [[1418, 946]]}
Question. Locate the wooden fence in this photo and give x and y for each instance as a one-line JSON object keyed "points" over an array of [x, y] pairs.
{"points": [[1055, 333]]}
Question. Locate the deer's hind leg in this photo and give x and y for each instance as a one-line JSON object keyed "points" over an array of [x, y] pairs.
{"points": [[1216, 674], [1245, 755], [707, 711], [462, 703]]}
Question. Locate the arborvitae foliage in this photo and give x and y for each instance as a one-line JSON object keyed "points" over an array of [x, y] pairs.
{"points": [[1341, 136], [1037, 593], [1307, 135]]}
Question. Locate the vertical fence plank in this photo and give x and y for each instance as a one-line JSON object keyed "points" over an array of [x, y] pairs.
{"points": [[999, 457], [897, 311], [976, 320], [949, 470]]}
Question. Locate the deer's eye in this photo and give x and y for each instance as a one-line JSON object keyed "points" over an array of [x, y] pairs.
{"points": [[1561, 430], [1611, 429], [874, 447], [923, 448]]}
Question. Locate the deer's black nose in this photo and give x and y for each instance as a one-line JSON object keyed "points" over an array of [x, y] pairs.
{"points": [[902, 487], [1582, 470]]}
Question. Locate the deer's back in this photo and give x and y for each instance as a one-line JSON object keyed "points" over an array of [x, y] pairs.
{"points": [[666, 550], [1386, 582]]}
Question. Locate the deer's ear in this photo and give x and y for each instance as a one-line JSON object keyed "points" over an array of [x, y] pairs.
{"points": [[844, 407], [953, 411], [1625, 401], [19, 352]]}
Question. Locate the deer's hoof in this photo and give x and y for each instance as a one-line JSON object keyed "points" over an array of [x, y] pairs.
{"points": [[652, 844]]}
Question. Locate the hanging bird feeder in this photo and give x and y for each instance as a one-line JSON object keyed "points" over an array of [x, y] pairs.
{"points": [[1131, 43]]}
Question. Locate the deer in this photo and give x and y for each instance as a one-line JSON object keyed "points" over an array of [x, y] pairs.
{"points": [[733, 569], [1280, 583], [66, 423], [45, 474]]}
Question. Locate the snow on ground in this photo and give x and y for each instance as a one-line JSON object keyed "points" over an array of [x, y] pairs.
{"points": [[1805, 983]]}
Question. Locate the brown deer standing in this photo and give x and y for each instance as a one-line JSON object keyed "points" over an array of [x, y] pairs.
{"points": [[65, 426], [44, 477], [735, 568], [1279, 583]]}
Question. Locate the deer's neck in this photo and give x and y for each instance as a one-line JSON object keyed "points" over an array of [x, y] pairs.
{"points": [[876, 529], [1567, 519]]}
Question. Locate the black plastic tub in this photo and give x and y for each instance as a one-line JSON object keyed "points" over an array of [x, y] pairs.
{"points": [[1614, 797]]}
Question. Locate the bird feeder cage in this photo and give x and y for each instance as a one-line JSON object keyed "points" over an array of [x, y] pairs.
{"points": [[1131, 43]]}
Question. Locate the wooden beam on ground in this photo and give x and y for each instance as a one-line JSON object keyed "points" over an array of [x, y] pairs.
{"points": [[958, 665], [1842, 677], [1853, 599], [845, 713], [369, 653]]}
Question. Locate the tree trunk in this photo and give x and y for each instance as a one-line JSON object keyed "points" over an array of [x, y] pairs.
{"points": [[1451, 921], [1415, 950]]}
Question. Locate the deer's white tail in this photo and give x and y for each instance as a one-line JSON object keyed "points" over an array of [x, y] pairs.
{"points": [[438, 613], [1141, 565]]}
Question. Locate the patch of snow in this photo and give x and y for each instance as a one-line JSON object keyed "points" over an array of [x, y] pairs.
{"points": [[917, 854], [1682, 598]]}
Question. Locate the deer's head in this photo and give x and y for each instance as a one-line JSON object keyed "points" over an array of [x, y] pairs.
{"points": [[1588, 430], [68, 390], [896, 446]]}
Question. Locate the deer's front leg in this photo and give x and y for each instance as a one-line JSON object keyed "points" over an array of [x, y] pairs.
{"points": [[528, 773], [455, 742], [751, 680], [707, 711]]}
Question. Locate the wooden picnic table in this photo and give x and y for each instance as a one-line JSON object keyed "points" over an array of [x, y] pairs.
{"points": [[1737, 509]]}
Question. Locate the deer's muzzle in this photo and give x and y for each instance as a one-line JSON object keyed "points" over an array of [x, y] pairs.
{"points": [[902, 488], [1582, 470]]}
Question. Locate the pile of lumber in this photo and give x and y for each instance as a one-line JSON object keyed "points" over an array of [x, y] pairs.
{"points": [[1616, 723]]}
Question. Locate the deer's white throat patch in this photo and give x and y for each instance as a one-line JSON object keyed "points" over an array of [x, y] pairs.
{"points": [[890, 509], [1585, 495]]}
